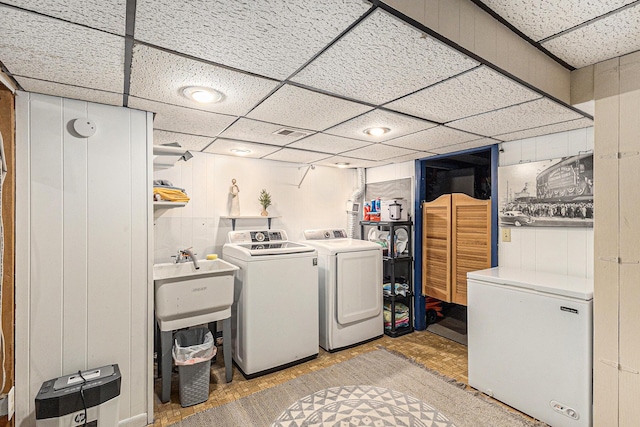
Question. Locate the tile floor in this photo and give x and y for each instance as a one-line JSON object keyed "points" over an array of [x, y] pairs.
{"points": [[440, 354]]}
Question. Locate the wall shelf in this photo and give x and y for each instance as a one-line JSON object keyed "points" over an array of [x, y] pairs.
{"points": [[165, 156], [234, 218], [165, 204]]}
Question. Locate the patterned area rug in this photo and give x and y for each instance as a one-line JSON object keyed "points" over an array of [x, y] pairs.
{"points": [[379, 370], [357, 406]]}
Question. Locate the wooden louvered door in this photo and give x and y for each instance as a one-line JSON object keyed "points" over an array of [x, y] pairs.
{"points": [[436, 248], [470, 241]]}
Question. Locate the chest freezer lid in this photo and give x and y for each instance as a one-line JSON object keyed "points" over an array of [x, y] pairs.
{"points": [[550, 283]]}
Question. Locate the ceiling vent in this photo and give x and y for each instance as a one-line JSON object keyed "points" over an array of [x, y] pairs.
{"points": [[293, 133]]}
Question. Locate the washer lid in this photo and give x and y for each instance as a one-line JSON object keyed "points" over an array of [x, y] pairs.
{"points": [[270, 248], [334, 246]]}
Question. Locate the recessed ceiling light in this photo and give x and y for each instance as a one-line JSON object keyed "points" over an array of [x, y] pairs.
{"points": [[378, 131], [240, 151], [202, 95], [342, 164]]}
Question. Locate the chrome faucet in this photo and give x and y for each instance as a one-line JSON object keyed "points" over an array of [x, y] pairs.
{"points": [[185, 255]]}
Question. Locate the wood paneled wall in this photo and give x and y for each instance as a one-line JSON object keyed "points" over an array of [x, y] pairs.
{"points": [[7, 128], [617, 232]]}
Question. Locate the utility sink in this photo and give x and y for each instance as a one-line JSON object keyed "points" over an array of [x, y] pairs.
{"points": [[186, 297]]}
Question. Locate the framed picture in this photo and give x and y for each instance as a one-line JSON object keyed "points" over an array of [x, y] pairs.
{"points": [[549, 193]]}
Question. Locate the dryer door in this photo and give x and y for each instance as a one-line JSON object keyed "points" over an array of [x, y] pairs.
{"points": [[358, 285]]}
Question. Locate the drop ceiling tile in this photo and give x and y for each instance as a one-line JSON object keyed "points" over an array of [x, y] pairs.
{"points": [[306, 109], [430, 139], [270, 38], [546, 130], [474, 92], [67, 91], [609, 37], [328, 144], [224, 146], [256, 131], [382, 59], [49, 49], [181, 119], [107, 15], [531, 114], [378, 152], [189, 142], [540, 19], [296, 156], [482, 142], [398, 125], [413, 156], [161, 76], [339, 162]]}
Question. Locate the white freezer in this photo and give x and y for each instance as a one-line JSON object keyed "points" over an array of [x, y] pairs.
{"points": [[530, 342]]}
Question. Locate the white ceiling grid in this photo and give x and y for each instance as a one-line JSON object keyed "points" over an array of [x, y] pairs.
{"points": [[382, 59], [270, 38], [546, 130], [482, 142]]}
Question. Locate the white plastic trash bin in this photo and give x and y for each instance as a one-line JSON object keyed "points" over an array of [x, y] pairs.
{"points": [[87, 398], [192, 352]]}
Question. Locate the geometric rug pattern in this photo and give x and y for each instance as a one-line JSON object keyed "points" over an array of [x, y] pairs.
{"points": [[360, 406]]}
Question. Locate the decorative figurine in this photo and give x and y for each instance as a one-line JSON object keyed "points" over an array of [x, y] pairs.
{"points": [[235, 199]]}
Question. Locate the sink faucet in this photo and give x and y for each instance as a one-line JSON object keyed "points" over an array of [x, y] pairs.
{"points": [[185, 255]]}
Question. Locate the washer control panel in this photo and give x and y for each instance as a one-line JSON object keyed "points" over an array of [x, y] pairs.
{"points": [[325, 234], [257, 236]]}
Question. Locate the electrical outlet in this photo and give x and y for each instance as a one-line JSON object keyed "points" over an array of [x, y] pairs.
{"points": [[506, 234], [11, 404]]}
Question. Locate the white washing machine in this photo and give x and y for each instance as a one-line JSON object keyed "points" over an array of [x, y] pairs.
{"points": [[350, 288], [274, 316]]}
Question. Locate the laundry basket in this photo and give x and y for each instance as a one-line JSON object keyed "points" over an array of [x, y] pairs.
{"points": [[192, 352]]}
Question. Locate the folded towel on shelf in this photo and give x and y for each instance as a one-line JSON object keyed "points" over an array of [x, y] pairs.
{"points": [[401, 315], [401, 289], [169, 194]]}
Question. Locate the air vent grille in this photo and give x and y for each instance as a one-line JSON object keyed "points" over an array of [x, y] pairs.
{"points": [[292, 133]]}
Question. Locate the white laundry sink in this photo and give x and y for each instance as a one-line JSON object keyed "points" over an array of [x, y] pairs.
{"points": [[186, 296]]}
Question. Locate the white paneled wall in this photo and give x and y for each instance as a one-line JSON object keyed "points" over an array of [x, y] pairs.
{"points": [[320, 202], [560, 250], [82, 249]]}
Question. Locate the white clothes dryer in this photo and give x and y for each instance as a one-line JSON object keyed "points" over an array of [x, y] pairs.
{"points": [[350, 288], [274, 315]]}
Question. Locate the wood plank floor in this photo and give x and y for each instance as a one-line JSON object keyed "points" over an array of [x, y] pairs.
{"points": [[442, 355]]}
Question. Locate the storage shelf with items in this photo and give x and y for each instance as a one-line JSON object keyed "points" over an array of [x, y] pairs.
{"points": [[396, 239]]}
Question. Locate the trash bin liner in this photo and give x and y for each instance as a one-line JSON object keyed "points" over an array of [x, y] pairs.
{"points": [[192, 353], [193, 346]]}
